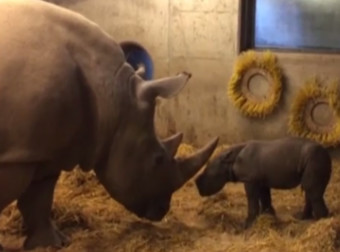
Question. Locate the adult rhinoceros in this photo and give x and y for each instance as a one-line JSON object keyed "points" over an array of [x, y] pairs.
{"points": [[68, 97]]}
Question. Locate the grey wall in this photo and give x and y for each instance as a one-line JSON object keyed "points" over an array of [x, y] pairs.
{"points": [[200, 36]]}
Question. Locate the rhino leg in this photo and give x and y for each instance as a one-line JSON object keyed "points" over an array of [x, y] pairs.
{"points": [[266, 201], [14, 179], [253, 192], [35, 206]]}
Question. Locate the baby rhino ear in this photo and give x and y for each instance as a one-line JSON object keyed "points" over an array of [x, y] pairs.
{"points": [[227, 156], [231, 154]]}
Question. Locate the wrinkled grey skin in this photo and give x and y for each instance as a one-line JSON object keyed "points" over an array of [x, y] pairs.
{"points": [[67, 98], [281, 164]]}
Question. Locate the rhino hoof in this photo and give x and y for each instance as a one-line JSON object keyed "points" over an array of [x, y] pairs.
{"points": [[52, 238]]}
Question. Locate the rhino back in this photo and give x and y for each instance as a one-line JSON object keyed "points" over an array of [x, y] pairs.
{"points": [[55, 68]]}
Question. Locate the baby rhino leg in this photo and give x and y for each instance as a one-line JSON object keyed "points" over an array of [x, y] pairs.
{"points": [[319, 207], [314, 181], [253, 193], [266, 201]]}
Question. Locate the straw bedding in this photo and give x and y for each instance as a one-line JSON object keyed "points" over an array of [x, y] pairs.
{"points": [[95, 222]]}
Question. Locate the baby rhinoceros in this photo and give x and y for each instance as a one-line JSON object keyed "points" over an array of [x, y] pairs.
{"points": [[280, 164]]}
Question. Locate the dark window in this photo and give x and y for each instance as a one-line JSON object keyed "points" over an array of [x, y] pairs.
{"points": [[312, 25]]}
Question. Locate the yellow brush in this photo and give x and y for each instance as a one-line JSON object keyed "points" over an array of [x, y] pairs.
{"points": [[246, 61], [297, 124]]}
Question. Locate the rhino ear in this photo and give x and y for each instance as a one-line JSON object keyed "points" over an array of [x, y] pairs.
{"points": [[164, 87]]}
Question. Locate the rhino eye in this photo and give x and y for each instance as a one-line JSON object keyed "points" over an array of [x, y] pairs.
{"points": [[159, 160]]}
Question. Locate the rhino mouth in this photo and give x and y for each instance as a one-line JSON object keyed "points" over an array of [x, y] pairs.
{"points": [[152, 212], [155, 216]]}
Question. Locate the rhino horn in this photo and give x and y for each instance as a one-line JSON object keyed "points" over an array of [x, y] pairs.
{"points": [[165, 87], [189, 166], [171, 143]]}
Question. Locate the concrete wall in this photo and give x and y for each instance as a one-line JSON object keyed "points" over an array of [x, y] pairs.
{"points": [[200, 36]]}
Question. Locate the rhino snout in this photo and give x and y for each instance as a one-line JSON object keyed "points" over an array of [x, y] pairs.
{"points": [[153, 211], [157, 212]]}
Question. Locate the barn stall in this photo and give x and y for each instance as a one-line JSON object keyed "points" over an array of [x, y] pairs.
{"points": [[256, 75]]}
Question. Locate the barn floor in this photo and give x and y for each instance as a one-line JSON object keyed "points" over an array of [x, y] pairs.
{"points": [[95, 222]]}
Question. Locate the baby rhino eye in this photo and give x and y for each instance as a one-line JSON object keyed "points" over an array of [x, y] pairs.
{"points": [[215, 168]]}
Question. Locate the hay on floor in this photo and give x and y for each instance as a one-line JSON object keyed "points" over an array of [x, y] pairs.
{"points": [[95, 222]]}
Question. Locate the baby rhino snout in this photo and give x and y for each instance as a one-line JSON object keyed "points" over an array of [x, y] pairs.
{"points": [[204, 185], [209, 185]]}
